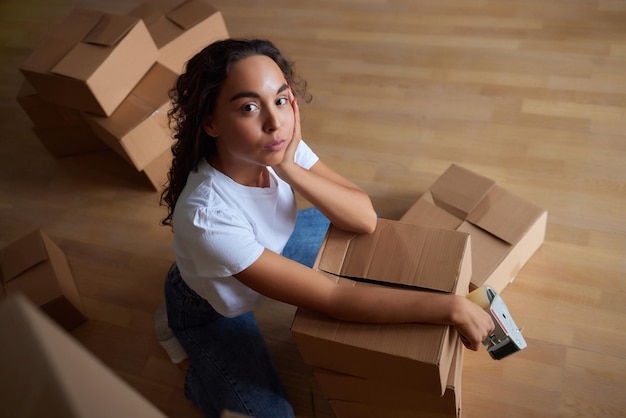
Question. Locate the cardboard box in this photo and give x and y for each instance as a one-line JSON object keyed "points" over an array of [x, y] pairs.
{"points": [[345, 409], [35, 266], [91, 60], [138, 130], [44, 113], [69, 140], [61, 130], [181, 29], [396, 254], [44, 372], [157, 170], [345, 390], [506, 229]]}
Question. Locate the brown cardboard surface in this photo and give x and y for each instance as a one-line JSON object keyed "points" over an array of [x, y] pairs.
{"points": [[395, 254], [69, 140], [157, 170], [44, 113], [181, 29], [45, 372], [506, 229], [398, 253], [35, 266], [392, 395], [345, 409], [89, 61], [138, 130]]}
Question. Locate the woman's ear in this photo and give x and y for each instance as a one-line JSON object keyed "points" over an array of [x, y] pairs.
{"points": [[209, 128]]}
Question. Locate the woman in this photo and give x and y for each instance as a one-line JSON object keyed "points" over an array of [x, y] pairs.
{"points": [[238, 157]]}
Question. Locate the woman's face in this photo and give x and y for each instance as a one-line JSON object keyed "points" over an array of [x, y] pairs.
{"points": [[253, 120]]}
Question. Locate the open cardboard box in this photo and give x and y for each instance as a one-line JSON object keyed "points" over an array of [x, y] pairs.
{"points": [[138, 130], [35, 266], [181, 29], [396, 254], [506, 229], [91, 60], [44, 372], [390, 398]]}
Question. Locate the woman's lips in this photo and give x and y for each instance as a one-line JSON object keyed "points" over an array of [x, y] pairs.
{"points": [[276, 145]]}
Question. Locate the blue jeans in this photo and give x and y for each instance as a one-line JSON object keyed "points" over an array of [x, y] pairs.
{"points": [[230, 365], [304, 243]]}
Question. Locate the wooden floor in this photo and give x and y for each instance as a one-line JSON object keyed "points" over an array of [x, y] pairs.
{"points": [[530, 93]]}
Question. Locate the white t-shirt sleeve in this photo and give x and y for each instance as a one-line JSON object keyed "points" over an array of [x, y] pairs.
{"points": [[305, 157], [221, 244]]}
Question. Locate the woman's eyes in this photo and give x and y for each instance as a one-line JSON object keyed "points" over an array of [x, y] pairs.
{"points": [[252, 107]]}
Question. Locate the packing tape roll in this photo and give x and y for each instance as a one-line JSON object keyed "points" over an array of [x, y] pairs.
{"points": [[479, 296]]}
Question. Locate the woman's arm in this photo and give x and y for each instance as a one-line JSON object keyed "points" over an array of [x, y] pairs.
{"points": [[341, 201], [288, 281]]}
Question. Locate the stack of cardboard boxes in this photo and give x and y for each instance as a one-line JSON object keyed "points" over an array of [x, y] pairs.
{"points": [[464, 232], [101, 80]]}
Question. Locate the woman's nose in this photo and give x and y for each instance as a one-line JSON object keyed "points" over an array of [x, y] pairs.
{"points": [[272, 121]]}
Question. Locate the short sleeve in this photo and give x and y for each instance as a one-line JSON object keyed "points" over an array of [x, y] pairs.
{"points": [[305, 157], [221, 244]]}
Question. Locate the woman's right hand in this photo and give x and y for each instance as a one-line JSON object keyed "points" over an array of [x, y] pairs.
{"points": [[472, 323]]}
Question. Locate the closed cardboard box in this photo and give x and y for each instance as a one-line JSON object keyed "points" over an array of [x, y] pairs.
{"points": [[350, 396], [396, 254], [44, 372], [91, 60], [35, 266], [348, 391], [181, 29], [138, 130], [506, 229]]}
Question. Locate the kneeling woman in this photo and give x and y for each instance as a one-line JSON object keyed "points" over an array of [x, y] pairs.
{"points": [[238, 157]]}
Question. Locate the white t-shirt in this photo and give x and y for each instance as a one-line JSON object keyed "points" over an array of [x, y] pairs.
{"points": [[221, 227]]}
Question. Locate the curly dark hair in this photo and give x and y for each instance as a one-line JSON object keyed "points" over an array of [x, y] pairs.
{"points": [[193, 101]]}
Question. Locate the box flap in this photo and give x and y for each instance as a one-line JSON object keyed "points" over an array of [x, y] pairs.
{"points": [[110, 29], [333, 253], [487, 252], [21, 255], [190, 13], [459, 190], [153, 89], [148, 96], [505, 215], [147, 12], [403, 254], [58, 41], [425, 212], [82, 61]]}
